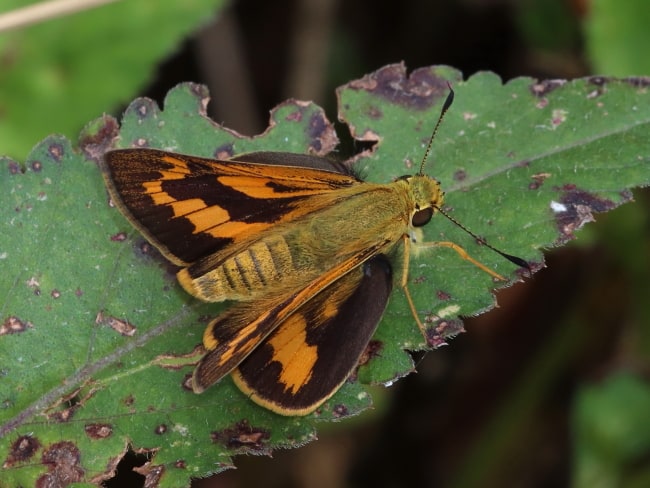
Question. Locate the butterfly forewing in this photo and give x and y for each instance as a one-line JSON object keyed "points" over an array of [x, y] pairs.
{"points": [[191, 207]]}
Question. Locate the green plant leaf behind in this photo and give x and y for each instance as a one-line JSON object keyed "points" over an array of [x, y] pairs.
{"points": [[616, 34], [611, 432], [58, 74], [98, 340]]}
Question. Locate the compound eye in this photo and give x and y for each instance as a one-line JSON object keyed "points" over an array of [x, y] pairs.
{"points": [[422, 217]]}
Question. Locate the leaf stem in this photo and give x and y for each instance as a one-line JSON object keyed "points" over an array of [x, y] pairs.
{"points": [[43, 11]]}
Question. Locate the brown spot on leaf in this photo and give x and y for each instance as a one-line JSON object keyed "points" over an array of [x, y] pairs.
{"points": [[419, 279], [14, 325], [340, 411], [14, 167], [542, 88], [152, 474], [21, 450], [33, 282], [374, 112], [160, 429], [180, 464], [419, 91], [594, 94], [639, 81], [121, 326], [64, 415], [538, 180], [558, 117], [443, 295], [242, 435], [98, 137], [119, 237], [322, 135], [145, 248], [295, 116], [36, 166], [65, 407], [201, 92], [599, 83], [56, 151], [62, 461], [142, 108], [439, 329], [225, 151], [98, 431], [372, 350], [460, 175], [55, 294], [598, 80], [542, 103], [579, 206]]}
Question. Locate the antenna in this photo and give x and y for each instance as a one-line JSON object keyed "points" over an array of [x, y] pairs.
{"points": [[513, 259], [443, 111]]}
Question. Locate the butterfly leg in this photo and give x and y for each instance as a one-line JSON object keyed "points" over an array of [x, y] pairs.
{"points": [[463, 254], [405, 269], [406, 256]]}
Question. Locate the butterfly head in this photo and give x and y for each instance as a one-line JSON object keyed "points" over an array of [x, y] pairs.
{"points": [[426, 197]]}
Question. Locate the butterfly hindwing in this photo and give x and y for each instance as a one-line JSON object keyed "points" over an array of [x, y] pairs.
{"points": [[306, 358], [237, 332]]}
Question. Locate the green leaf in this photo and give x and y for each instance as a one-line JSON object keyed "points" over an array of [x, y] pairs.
{"points": [[612, 435], [47, 70], [524, 165], [615, 33], [98, 339]]}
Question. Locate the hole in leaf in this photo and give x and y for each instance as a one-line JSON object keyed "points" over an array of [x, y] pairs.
{"points": [[125, 477]]}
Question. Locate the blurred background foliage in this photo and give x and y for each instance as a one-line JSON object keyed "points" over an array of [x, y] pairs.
{"points": [[551, 389]]}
